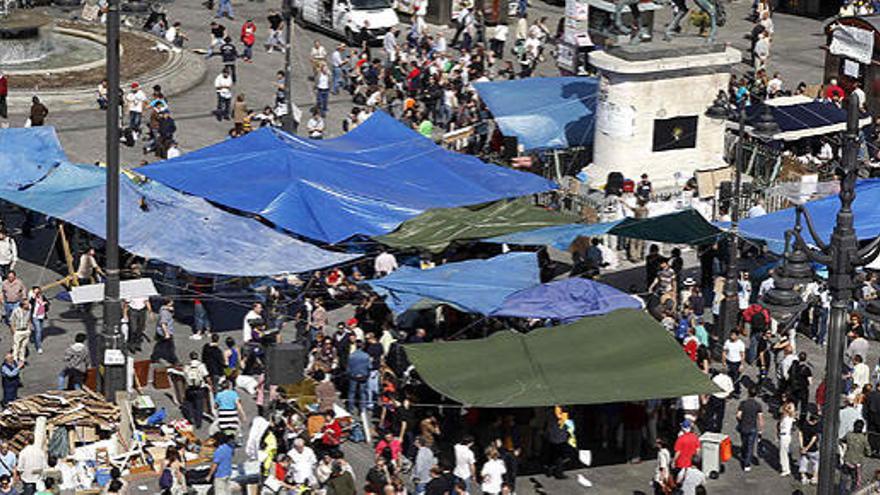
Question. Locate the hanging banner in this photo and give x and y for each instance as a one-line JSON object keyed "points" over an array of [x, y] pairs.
{"points": [[852, 42], [576, 27]]}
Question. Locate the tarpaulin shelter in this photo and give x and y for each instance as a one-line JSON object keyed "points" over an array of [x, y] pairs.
{"points": [[771, 227], [680, 227], [566, 300], [155, 221], [799, 117], [435, 229], [365, 182], [622, 356], [476, 286], [543, 112]]}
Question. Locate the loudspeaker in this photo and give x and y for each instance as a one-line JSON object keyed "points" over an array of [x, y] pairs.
{"points": [[508, 150], [286, 363]]}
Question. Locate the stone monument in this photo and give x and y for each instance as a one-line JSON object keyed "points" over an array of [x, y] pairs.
{"points": [[650, 115]]}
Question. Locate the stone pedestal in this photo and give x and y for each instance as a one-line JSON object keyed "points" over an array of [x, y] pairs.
{"points": [[650, 115]]}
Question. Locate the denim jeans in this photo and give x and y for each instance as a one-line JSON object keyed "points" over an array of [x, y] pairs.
{"points": [[733, 372], [372, 389], [201, 321], [338, 81], [823, 326], [37, 334], [359, 389], [248, 52], [225, 8], [223, 105], [749, 438], [321, 101], [8, 308], [134, 120]]}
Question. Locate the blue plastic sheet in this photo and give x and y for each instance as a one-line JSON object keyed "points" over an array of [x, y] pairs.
{"points": [[475, 286], [543, 112], [366, 182], [771, 228], [566, 300], [560, 236], [155, 221]]}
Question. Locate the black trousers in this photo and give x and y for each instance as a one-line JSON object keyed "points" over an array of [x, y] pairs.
{"points": [[137, 319], [3, 109], [192, 406]]}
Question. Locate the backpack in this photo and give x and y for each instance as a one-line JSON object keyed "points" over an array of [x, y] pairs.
{"points": [[193, 376], [166, 480]]}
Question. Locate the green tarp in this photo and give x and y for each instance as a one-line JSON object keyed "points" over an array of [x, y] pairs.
{"points": [[681, 227], [435, 229], [622, 356]]}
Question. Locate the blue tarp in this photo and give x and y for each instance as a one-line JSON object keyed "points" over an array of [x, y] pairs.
{"points": [[366, 182], [560, 236], [476, 286], [566, 300], [771, 227], [155, 221], [799, 116], [543, 112]]}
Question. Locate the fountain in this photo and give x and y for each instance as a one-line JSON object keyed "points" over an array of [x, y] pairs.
{"points": [[25, 37]]}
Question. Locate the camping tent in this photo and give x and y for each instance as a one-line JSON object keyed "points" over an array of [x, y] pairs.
{"points": [[477, 286], [543, 112], [435, 229], [771, 228], [566, 300], [155, 221], [365, 182], [622, 356]]}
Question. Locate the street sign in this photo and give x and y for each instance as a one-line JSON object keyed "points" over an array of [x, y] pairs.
{"points": [[128, 289]]}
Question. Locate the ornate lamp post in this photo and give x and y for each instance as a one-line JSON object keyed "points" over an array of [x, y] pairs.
{"points": [[842, 256]]}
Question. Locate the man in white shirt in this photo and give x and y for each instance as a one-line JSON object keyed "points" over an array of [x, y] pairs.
{"points": [[389, 44], [385, 263], [762, 51], [465, 468], [135, 100], [256, 313], [223, 86], [774, 86], [732, 356], [499, 38], [8, 253], [31, 463], [315, 125], [337, 62], [303, 462], [173, 150], [757, 210], [322, 90]]}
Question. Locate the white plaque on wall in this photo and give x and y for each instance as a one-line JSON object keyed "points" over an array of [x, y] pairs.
{"points": [[615, 120]]}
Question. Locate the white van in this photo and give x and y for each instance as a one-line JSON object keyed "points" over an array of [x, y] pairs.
{"points": [[347, 17]]}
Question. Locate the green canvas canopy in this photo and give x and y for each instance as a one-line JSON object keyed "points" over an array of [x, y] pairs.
{"points": [[623, 356], [435, 229], [681, 227]]}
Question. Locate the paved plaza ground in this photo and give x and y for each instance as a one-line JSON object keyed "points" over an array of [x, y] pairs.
{"points": [[796, 55]]}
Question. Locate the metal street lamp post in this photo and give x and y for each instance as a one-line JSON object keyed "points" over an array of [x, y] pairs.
{"points": [[842, 256], [111, 344], [288, 122]]}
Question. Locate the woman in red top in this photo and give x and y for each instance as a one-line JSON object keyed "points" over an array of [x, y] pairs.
{"points": [[248, 38]]}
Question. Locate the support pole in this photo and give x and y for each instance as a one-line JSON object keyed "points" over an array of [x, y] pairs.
{"points": [[288, 122], [113, 377], [844, 253], [730, 303]]}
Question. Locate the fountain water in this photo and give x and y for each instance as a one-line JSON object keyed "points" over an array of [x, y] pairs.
{"points": [[25, 37]]}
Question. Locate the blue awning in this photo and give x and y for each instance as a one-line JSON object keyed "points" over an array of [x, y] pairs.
{"points": [[476, 286], [543, 112], [155, 221], [566, 300], [771, 228], [366, 182]]}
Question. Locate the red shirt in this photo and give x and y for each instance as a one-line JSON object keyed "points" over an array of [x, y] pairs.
{"points": [[4, 86], [686, 447], [834, 90]]}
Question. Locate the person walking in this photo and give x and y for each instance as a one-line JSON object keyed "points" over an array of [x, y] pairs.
{"points": [[10, 375], [750, 423], [32, 462], [223, 87], [358, 372], [787, 417], [224, 8], [338, 61], [732, 356], [164, 349], [134, 101], [248, 39], [196, 375], [20, 322], [228, 55], [39, 311], [322, 89], [8, 253], [221, 463], [138, 309], [76, 361], [276, 32], [809, 436], [857, 452], [39, 112]]}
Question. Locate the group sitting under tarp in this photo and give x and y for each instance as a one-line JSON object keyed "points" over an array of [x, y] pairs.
{"points": [[156, 222], [543, 112], [366, 182], [506, 285], [435, 229], [771, 228], [619, 357]]}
